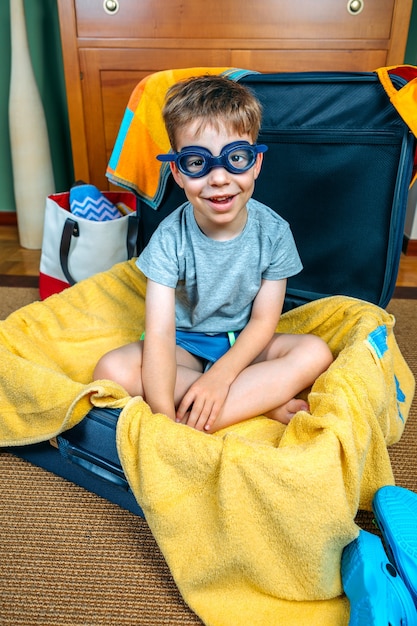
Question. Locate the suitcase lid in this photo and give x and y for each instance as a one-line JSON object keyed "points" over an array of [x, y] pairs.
{"points": [[338, 170]]}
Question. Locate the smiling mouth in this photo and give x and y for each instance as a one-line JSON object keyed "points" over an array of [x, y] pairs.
{"points": [[221, 199]]}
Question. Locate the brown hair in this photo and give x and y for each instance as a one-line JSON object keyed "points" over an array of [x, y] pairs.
{"points": [[213, 100]]}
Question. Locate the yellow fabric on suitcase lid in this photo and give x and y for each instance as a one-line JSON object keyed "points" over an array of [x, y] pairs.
{"points": [[403, 99], [252, 520]]}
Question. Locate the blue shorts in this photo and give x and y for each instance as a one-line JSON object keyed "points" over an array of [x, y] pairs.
{"points": [[207, 347]]}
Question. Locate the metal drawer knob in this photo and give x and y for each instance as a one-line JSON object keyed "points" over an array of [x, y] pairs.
{"points": [[355, 6], [111, 6]]}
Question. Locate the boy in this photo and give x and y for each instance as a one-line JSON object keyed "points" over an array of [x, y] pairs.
{"points": [[217, 270]]}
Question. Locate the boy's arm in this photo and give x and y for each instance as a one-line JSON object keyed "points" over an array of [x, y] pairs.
{"points": [[207, 395], [159, 361]]}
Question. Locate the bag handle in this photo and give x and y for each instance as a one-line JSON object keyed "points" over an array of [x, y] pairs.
{"points": [[132, 235], [72, 229]]}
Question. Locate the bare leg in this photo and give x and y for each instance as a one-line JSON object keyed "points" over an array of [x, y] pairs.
{"points": [[124, 366], [269, 387], [288, 365]]}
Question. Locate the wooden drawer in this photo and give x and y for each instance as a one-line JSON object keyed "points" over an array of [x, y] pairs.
{"points": [[309, 60], [236, 19]]}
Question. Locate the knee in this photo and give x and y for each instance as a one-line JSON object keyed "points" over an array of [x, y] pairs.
{"points": [[122, 366], [106, 367], [319, 351], [113, 367]]}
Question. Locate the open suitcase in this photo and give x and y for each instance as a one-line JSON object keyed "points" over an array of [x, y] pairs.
{"points": [[338, 169]]}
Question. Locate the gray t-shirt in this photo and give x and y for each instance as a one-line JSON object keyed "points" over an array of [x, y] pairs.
{"points": [[216, 282]]}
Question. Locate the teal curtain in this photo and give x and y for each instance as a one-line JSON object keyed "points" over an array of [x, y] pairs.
{"points": [[45, 48], [411, 50]]}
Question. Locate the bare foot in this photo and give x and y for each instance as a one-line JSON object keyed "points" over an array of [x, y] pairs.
{"points": [[286, 412]]}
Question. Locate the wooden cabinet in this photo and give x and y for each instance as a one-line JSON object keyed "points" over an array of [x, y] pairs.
{"points": [[110, 45]]}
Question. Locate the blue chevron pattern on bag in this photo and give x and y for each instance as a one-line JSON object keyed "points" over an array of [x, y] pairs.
{"points": [[88, 202]]}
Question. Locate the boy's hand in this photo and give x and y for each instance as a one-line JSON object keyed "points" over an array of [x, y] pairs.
{"points": [[203, 402]]}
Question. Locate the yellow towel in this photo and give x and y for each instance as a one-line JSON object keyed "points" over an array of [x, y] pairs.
{"points": [[252, 520], [142, 133]]}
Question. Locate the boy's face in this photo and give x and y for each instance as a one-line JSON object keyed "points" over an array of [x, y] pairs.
{"points": [[219, 198]]}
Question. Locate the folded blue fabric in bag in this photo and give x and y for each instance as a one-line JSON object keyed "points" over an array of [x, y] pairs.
{"points": [[88, 202]]}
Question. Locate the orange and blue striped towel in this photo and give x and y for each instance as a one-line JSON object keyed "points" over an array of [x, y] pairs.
{"points": [[142, 135]]}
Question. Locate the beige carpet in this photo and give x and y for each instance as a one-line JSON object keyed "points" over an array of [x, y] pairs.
{"points": [[67, 557]]}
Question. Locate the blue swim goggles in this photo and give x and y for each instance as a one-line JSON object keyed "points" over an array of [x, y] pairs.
{"points": [[194, 161]]}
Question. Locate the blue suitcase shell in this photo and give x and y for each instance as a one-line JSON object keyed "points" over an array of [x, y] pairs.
{"points": [[87, 456]]}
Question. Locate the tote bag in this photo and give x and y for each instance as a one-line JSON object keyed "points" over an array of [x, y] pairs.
{"points": [[74, 248]]}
